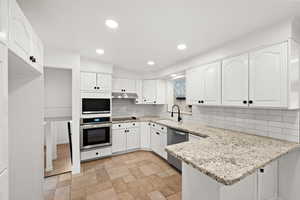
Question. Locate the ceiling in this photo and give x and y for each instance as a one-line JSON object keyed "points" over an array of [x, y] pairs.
{"points": [[150, 29]]}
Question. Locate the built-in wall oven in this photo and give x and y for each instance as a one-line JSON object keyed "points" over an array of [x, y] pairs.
{"points": [[95, 105], [95, 132]]}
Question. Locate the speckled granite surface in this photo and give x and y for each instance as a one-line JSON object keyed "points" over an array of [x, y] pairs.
{"points": [[228, 156], [224, 155]]}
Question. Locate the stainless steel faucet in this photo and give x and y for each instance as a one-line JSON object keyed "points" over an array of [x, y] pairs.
{"points": [[172, 114]]}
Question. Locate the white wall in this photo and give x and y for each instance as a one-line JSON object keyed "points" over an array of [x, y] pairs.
{"points": [[87, 64], [266, 36], [58, 92]]}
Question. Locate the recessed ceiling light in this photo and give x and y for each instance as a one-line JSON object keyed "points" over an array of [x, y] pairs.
{"points": [[100, 51], [111, 24], [181, 46], [173, 75], [151, 63], [178, 77]]}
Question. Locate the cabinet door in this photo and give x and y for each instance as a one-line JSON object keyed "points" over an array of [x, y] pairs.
{"points": [[139, 91], [145, 134], [130, 85], [211, 75], [149, 91], [268, 182], [37, 50], [104, 82], [161, 92], [268, 77], [4, 185], [133, 138], [124, 85], [88, 81], [3, 20], [20, 32], [3, 109], [235, 81], [155, 140], [118, 140], [194, 86], [164, 154]]}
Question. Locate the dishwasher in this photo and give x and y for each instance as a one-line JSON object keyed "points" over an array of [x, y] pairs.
{"points": [[175, 137]]}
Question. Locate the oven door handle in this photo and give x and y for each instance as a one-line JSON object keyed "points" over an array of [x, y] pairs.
{"points": [[95, 126]]}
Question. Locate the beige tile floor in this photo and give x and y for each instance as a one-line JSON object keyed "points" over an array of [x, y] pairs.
{"points": [[134, 176], [63, 162]]}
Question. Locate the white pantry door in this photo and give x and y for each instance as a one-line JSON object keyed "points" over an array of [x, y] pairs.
{"points": [[212, 83], [268, 77], [235, 81]]}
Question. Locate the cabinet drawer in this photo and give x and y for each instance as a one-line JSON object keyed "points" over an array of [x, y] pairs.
{"points": [[133, 124], [119, 126], [95, 153]]}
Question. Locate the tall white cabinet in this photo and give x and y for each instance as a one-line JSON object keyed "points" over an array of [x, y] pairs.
{"points": [[268, 77], [3, 123], [23, 41]]}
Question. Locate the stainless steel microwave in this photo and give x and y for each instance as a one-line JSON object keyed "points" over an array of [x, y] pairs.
{"points": [[95, 105]]}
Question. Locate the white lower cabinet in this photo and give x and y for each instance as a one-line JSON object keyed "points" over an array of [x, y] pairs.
{"points": [[159, 140], [4, 185], [125, 136], [96, 153], [145, 135], [118, 140], [133, 138], [261, 185], [268, 182]]}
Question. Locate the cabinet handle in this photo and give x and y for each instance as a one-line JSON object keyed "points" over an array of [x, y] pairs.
{"points": [[119, 125], [162, 128], [95, 87], [144, 99], [157, 133], [262, 170], [149, 124], [133, 124], [250, 102], [98, 88], [199, 101], [97, 153], [244, 102], [154, 101]]}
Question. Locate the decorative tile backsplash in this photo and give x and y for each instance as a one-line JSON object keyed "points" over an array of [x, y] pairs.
{"points": [[281, 124], [127, 107]]}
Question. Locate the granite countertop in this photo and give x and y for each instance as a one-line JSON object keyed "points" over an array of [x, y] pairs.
{"points": [[224, 155]]}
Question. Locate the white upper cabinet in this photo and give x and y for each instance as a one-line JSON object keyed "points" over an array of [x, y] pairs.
{"points": [[161, 92], [4, 190], [88, 81], [194, 86], [268, 77], [104, 82], [235, 81], [3, 109], [203, 85], [20, 32], [211, 75], [149, 91], [95, 82], [124, 85], [22, 39], [3, 20]]}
